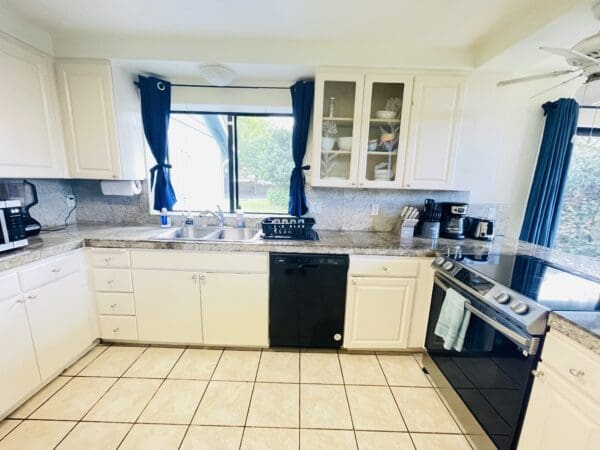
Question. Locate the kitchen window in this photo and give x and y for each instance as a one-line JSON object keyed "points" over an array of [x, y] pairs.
{"points": [[579, 226], [234, 160]]}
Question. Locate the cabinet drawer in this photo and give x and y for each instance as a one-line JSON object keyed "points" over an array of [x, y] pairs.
{"points": [[577, 364], [200, 262], [47, 272], [9, 286], [109, 257], [112, 280], [114, 303], [383, 267], [118, 328]]}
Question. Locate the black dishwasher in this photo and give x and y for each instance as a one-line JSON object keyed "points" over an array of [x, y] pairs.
{"points": [[307, 299]]}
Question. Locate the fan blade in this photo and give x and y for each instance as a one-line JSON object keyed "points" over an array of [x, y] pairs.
{"points": [[569, 53], [557, 85], [556, 73]]}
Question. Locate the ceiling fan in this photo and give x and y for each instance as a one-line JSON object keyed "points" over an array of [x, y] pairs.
{"points": [[584, 59]]}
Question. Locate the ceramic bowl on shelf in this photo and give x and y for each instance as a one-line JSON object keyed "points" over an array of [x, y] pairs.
{"points": [[327, 143], [372, 145], [345, 143], [389, 115]]}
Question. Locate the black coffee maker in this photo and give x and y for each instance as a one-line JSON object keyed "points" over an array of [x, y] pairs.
{"points": [[452, 223]]}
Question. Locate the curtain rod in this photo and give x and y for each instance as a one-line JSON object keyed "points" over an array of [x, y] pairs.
{"points": [[227, 87]]}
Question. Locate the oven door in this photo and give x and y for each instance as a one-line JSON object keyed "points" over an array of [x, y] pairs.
{"points": [[492, 373]]}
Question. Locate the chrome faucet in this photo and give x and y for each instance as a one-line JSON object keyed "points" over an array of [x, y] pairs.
{"points": [[218, 214]]}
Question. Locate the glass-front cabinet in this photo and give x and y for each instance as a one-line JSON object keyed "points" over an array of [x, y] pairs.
{"points": [[338, 103], [360, 129]]}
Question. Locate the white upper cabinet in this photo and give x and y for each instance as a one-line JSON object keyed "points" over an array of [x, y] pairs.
{"points": [[102, 126], [31, 142], [377, 130], [432, 137], [337, 119]]}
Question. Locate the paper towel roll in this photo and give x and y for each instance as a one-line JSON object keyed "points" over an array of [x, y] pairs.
{"points": [[127, 188]]}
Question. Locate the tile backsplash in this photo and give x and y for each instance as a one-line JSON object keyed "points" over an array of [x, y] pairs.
{"points": [[333, 209]]}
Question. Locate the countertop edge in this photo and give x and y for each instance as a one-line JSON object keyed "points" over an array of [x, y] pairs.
{"points": [[580, 334]]}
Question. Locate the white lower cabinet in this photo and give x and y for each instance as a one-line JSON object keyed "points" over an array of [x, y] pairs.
{"points": [[167, 305], [563, 410], [59, 317], [378, 312], [19, 373], [235, 309], [387, 302]]}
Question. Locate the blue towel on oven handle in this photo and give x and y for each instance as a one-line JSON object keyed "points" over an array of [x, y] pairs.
{"points": [[453, 321]]}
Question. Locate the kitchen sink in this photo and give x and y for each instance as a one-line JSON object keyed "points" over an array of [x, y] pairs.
{"points": [[209, 234]]}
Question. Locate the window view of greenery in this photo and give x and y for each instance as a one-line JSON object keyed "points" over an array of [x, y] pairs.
{"points": [[200, 151], [264, 146], [579, 226]]}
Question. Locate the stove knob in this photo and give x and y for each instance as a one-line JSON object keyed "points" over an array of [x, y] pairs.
{"points": [[439, 261], [448, 265], [520, 308], [502, 298]]}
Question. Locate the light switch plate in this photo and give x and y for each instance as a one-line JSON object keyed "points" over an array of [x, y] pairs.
{"points": [[374, 209]]}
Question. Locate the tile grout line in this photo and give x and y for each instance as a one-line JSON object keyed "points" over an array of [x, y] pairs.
{"points": [[395, 401], [445, 405], [201, 398], [347, 399], [250, 402], [102, 396]]}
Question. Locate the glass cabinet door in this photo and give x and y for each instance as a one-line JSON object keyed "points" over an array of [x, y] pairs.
{"points": [[385, 125], [337, 122]]}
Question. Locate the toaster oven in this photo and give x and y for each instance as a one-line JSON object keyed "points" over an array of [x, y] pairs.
{"points": [[12, 225]]}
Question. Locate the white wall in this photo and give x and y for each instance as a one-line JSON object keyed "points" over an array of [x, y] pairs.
{"points": [[499, 141]]}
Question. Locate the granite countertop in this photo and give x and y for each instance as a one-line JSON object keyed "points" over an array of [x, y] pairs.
{"points": [[583, 327]]}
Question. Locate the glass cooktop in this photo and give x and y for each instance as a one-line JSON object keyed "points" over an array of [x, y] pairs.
{"points": [[541, 281]]}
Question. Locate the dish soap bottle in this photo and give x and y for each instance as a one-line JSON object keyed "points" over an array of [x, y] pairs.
{"points": [[165, 220], [240, 222]]}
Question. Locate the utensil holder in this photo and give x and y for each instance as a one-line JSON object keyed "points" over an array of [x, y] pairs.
{"points": [[430, 230]]}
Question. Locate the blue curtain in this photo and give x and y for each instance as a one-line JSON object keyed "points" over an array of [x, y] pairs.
{"points": [[543, 207], [303, 93], [155, 95]]}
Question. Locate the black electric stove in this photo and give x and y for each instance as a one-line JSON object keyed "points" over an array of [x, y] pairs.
{"points": [[549, 285]]}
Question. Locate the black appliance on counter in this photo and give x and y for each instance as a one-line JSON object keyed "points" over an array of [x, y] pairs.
{"points": [[479, 228], [452, 224], [510, 297], [428, 226], [12, 226], [307, 299]]}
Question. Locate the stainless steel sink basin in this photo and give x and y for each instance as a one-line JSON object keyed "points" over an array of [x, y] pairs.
{"points": [[208, 234]]}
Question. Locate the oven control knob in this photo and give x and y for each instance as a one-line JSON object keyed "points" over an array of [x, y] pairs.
{"points": [[520, 308], [502, 297], [439, 261], [448, 265]]}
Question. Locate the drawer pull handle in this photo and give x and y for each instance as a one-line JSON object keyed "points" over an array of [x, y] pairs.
{"points": [[110, 281], [31, 297], [576, 373], [21, 300], [537, 373], [107, 260], [114, 305], [55, 270], [385, 268], [115, 330]]}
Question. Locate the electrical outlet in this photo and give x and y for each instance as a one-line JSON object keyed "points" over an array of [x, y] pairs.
{"points": [[374, 209], [70, 201], [315, 207]]}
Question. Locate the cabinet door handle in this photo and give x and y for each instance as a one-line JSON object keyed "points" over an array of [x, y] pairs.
{"points": [[194, 277], [107, 260], [31, 297], [110, 281], [385, 268], [116, 330], [114, 305], [21, 300], [576, 372], [202, 278], [56, 270]]}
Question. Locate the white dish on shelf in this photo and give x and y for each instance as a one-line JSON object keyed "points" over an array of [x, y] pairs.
{"points": [[372, 146], [345, 143], [327, 143], [385, 115]]}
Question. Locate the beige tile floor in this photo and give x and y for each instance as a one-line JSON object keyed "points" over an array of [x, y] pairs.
{"points": [[148, 397]]}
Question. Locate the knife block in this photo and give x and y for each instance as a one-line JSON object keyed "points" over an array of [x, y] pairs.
{"points": [[405, 228]]}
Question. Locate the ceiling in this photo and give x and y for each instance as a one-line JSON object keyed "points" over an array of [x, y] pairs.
{"points": [[426, 23]]}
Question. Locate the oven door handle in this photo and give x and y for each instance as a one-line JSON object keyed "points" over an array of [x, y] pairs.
{"points": [[528, 344]]}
